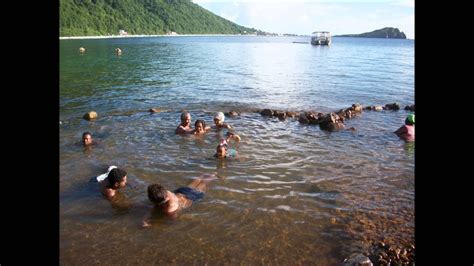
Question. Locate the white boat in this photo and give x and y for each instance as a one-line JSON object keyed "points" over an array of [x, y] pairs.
{"points": [[321, 38]]}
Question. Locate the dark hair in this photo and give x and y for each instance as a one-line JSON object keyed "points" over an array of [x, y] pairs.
{"points": [[86, 133], [183, 115], [156, 193], [116, 175], [200, 121]]}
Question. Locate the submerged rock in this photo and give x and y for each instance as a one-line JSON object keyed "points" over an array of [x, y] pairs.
{"points": [[382, 254], [90, 115], [358, 260], [155, 110]]}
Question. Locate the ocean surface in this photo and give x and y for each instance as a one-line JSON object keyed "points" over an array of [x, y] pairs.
{"points": [[294, 195]]}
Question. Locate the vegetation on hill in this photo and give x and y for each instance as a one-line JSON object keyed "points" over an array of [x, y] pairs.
{"points": [[107, 17], [388, 32]]}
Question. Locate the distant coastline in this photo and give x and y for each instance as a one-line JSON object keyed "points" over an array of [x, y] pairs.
{"points": [[139, 36]]}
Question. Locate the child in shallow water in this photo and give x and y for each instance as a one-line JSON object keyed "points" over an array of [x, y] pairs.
{"points": [[116, 179], [223, 150], [170, 202], [200, 127]]}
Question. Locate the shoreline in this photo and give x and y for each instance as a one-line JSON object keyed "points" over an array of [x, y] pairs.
{"points": [[141, 36], [178, 35]]}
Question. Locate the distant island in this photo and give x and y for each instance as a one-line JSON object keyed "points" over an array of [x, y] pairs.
{"points": [[388, 32], [142, 17]]}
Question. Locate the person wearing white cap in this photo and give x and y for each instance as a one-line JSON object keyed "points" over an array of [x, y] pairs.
{"points": [[219, 121]]}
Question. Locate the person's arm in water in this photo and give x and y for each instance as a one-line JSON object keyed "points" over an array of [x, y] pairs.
{"points": [[232, 136], [109, 193], [181, 130]]}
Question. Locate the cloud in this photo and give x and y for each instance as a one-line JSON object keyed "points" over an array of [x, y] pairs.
{"points": [[304, 17]]}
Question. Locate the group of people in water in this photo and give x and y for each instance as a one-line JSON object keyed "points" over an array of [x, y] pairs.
{"points": [[170, 202], [222, 150]]}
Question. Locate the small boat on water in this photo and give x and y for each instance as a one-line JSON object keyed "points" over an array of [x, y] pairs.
{"points": [[321, 38]]}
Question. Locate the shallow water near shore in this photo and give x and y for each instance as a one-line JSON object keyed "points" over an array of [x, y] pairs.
{"points": [[295, 194]]}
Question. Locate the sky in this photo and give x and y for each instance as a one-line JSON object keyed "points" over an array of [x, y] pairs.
{"points": [[302, 17]]}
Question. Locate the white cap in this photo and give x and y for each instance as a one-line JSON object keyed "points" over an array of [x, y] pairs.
{"points": [[220, 116]]}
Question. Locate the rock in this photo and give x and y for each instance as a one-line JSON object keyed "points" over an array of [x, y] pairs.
{"points": [[356, 108], [303, 119], [291, 114], [358, 260], [329, 118], [155, 110], [280, 115], [332, 126], [345, 113], [267, 112], [315, 118], [410, 108], [393, 106], [232, 114], [90, 115]]}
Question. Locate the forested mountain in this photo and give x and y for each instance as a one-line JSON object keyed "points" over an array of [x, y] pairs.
{"points": [[388, 32], [107, 17]]}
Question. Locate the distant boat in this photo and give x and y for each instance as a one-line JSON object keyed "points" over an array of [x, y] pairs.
{"points": [[321, 38]]}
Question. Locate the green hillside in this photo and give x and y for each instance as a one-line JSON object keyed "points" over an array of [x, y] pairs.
{"points": [[388, 32], [107, 17]]}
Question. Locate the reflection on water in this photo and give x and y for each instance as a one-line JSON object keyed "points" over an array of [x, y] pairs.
{"points": [[295, 195]]}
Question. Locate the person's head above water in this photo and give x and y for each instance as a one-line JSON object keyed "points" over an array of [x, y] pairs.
{"points": [[185, 119], [410, 120], [117, 178], [200, 126], [157, 194], [87, 138], [219, 118], [221, 149]]}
